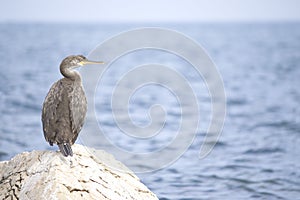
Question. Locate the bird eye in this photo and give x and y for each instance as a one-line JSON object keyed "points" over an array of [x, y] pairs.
{"points": [[81, 57]]}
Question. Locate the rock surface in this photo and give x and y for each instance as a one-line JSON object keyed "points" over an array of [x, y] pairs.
{"points": [[49, 175]]}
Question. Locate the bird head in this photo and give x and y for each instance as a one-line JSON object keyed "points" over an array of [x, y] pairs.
{"points": [[72, 62]]}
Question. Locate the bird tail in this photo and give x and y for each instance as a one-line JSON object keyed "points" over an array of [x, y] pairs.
{"points": [[65, 149]]}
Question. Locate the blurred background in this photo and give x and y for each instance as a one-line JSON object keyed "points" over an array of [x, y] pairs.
{"points": [[255, 45]]}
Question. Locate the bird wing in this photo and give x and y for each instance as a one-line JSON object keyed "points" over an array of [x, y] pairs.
{"points": [[78, 108], [49, 112]]}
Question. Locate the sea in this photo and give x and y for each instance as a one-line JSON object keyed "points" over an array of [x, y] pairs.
{"points": [[257, 149]]}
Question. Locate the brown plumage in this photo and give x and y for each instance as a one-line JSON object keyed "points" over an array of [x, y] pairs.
{"points": [[65, 106]]}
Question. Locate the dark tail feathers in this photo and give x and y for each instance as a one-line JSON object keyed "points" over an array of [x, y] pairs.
{"points": [[65, 149]]}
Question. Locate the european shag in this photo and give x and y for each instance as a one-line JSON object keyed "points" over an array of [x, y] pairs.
{"points": [[65, 106]]}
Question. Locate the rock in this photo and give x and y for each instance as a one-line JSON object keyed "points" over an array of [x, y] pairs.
{"points": [[89, 174]]}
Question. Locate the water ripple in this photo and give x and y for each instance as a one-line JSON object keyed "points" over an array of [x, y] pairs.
{"points": [[265, 150], [288, 125]]}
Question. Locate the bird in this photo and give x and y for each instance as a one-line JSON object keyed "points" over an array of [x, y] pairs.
{"points": [[65, 106]]}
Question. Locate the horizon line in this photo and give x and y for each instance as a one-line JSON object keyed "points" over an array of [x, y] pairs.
{"points": [[262, 21]]}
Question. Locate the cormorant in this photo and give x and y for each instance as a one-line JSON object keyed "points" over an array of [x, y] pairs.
{"points": [[65, 106]]}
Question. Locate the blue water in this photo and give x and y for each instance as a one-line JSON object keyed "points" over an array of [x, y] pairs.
{"points": [[257, 156]]}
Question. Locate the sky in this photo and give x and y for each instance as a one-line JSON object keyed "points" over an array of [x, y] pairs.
{"points": [[149, 10]]}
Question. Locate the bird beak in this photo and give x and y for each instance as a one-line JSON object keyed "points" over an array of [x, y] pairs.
{"points": [[86, 62]]}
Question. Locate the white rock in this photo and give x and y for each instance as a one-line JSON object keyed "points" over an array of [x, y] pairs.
{"points": [[50, 175]]}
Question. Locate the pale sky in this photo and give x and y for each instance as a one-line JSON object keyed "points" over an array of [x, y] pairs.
{"points": [[149, 10]]}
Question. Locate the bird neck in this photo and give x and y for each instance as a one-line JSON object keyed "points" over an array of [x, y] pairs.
{"points": [[70, 74]]}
